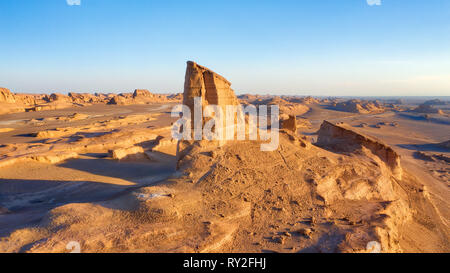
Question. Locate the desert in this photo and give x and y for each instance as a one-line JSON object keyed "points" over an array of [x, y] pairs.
{"points": [[224, 136], [111, 176]]}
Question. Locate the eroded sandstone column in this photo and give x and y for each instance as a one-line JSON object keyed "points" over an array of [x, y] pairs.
{"points": [[212, 88]]}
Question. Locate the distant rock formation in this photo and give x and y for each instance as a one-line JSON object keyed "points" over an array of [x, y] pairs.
{"points": [[13, 103], [428, 109], [445, 144], [8, 102], [309, 100], [436, 102], [142, 93], [359, 106], [119, 100], [176, 97], [341, 137], [6, 96], [58, 97], [287, 105], [140, 96], [85, 98]]}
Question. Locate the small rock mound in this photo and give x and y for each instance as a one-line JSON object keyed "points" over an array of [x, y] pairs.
{"points": [[290, 123], [122, 153]]}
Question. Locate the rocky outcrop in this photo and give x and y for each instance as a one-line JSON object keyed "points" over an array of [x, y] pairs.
{"points": [[359, 106], [142, 93], [210, 86], [290, 123], [6, 96], [58, 97], [341, 137], [309, 100], [213, 89], [122, 153], [175, 97], [143, 96], [86, 98], [119, 100], [139, 96], [287, 105], [8, 102], [13, 103], [436, 102], [428, 109], [30, 99]]}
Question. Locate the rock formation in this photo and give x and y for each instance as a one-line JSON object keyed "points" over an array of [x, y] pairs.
{"points": [[121, 153], [210, 86], [290, 123], [213, 89], [240, 199], [8, 102], [436, 102], [287, 105], [142, 93], [85, 98], [341, 137], [427, 109], [6, 96], [119, 100], [359, 106], [12, 103], [336, 196], [58, 97]]}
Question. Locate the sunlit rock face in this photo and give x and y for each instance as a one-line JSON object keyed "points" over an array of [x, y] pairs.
{"points": [[342, 138], [210, 86], [213, 89], [6, 96]]}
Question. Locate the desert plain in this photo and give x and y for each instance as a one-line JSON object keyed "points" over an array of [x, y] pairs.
{"points": [[103, 170]]}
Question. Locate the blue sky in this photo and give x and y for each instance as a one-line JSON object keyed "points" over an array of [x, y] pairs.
{"points": [[316, 47]]}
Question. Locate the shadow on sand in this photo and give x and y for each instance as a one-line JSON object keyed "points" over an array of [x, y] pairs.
{"points": [[429, 147], [28, 201]]}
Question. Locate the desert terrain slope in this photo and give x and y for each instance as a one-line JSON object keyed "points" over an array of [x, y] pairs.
{"points": [[103, 170]]}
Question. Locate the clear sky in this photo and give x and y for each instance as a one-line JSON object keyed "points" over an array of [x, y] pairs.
{"points": [[304, 47]]}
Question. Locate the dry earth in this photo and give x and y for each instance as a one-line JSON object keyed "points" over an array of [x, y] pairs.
{"points": [[110, 177]]}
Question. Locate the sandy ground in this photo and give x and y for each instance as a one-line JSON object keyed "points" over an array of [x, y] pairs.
{"points": [[36, 192], [30, 189]]}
